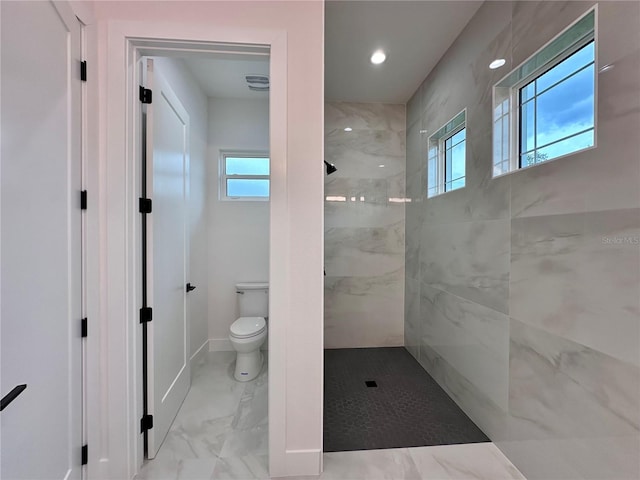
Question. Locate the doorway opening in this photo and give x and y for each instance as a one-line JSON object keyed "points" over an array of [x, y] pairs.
{"points": [[204, 167]]}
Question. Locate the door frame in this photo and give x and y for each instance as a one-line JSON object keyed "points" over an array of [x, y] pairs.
{"points": [[127, 42]]}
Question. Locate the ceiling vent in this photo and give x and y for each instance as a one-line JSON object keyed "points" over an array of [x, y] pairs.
{"points": [[257, 82]]}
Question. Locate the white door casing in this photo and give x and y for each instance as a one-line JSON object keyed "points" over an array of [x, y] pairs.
{"points": [[40, 322], [126, 41], [167, 173]]}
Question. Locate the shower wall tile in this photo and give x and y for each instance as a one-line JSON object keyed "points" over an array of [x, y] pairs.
{"points": [[365, 116], [365, 225], [470, 260], [415, 149], [473, 339], [537, 22], [577, 276], [364, 311], [560, 390], [414, 108], [529, 301], [480, 408], [413, 226], [412, 327], [364, 252], [347, 213]]}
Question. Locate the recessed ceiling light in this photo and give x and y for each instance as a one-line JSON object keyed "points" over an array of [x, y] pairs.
{"points": [[348, 129], [381, 166], [606, 67], [378, 57], [497, 63]]}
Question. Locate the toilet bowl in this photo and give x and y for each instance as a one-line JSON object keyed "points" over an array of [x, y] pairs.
{"points": [[247, 334]]}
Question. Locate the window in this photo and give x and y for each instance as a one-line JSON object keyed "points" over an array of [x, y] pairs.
{"points": [[545, 108], [446, 163], [244, 176]]}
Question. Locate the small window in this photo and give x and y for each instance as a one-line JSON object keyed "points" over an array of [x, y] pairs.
{"points": [[446, 163], [244, 176], [545, 108]]}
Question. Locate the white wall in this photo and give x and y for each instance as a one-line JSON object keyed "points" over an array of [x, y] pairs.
{"points": [[194, 101], [238, 231]]}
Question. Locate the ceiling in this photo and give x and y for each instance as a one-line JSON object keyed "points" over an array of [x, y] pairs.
{"points": [[414, 35], [222, 76]]}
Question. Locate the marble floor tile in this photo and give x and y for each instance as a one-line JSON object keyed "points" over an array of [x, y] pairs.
{"points": [[194, 469], [236, 446], [221, 430], [242, 468], [474, 461], [370, 464]]}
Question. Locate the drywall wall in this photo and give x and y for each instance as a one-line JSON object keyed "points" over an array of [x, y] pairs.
{"points": [[238, 230]]}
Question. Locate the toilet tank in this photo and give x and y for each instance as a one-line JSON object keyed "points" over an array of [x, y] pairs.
{"points": [[253, 299]]}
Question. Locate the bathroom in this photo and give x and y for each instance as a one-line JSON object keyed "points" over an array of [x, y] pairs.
{"points": [[221, 417]]}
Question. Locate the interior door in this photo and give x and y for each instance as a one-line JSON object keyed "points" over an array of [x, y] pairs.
{"points": [[167, 176], [40, 229]]}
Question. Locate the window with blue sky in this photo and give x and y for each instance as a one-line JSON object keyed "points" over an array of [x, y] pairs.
{"points": [[447, 157], [545, 108], [557, 109], [244, 176]]}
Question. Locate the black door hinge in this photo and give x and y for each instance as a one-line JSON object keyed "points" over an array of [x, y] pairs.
{"points": [[83, 327], [146, 423], [83, 70], [146, 314], [83, 199], [85, 454], [145, 205], [146, 95]]}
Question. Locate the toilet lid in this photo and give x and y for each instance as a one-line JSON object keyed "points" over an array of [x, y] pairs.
{"points": [[248, 327]]}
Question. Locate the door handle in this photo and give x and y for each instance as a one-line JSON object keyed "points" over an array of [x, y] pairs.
{"points": [[11, 396], [190, 287]]}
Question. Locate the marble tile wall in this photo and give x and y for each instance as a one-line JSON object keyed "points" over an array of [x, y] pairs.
{"points": [[522, 293], [365, 225]]}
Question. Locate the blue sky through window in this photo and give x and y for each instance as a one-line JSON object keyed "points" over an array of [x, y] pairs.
{"points": [[557, 109], [247, 166], [455, 161], [243, 187], [246, 176]]}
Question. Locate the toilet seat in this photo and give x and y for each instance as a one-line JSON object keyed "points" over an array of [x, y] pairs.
{"points": [[247, 327]]}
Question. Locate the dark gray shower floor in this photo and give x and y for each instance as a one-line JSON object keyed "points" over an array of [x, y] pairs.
{"points": [[406, 408]]}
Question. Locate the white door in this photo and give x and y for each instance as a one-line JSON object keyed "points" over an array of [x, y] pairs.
{"points": [[40, 228], [167, 169]]}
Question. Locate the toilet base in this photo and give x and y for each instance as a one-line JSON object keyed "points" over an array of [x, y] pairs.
{"points": [[248, 365]]}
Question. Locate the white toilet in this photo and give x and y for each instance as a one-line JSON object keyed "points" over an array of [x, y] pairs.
{"points": [[248, 333]]}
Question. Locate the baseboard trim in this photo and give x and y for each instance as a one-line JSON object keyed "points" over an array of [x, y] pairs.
{"points": [[303, 462], [220, 345]]}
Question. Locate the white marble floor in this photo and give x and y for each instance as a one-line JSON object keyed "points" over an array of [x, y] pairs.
{"points": [[221, 432]]}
